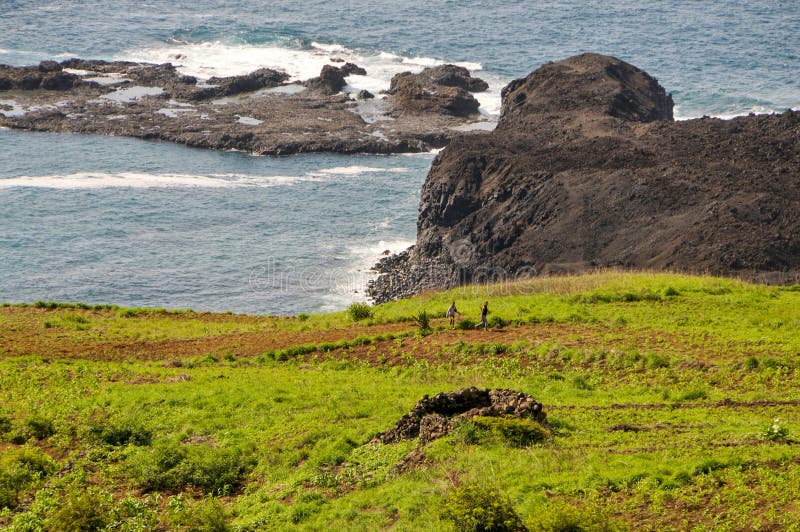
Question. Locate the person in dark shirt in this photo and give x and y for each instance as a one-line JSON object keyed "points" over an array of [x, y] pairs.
{"points": [[484, 313]]}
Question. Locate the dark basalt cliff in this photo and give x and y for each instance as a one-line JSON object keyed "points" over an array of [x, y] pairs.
{"points": [[587, 169]]}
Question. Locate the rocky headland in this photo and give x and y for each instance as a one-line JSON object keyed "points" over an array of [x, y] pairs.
{"points": [[263, 112], [587, 169]]}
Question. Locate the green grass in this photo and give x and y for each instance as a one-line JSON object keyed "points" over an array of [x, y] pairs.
{"points": [[671, 400]]}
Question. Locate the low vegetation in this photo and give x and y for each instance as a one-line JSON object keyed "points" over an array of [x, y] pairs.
{"points": [[671, 404]]}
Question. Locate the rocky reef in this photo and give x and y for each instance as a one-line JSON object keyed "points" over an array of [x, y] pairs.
{"points": [[262, 112], [587, 169]]}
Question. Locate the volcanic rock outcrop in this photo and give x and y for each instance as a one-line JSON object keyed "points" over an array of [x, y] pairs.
{"points": [[586, 169], [442, 89], [434, 417], [261, 112]]}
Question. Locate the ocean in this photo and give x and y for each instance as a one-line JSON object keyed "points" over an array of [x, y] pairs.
{"points": [[138, 223]]}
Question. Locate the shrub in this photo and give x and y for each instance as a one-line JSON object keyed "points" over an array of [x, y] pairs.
{"points": [[515, 431], [120, 433], [21, 469], [671, 292], [5, 424], [497, 322], [562, 517], [359, 311], [40, 427], [207, 515], [175, 467], [496, 348], [751, 363], [657, 361], [466, 324], [480, 509], [81, 509]]}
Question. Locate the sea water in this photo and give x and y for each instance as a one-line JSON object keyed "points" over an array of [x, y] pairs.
{"points": [[138, 223]]}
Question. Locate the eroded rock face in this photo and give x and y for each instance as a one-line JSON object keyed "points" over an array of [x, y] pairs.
{"points": [[260, 112], [434, 417], [444, 89], [587, 169]]}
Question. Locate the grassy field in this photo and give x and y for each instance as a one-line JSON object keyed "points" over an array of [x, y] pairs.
{"points": [[672, 404]]}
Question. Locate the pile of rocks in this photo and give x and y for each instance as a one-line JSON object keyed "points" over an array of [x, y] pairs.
{"points": [[434, 417]]}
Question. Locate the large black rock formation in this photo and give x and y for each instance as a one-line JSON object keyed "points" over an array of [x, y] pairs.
{"points": [[587, 169]]}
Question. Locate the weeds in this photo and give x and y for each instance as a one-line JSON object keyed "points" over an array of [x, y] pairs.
{"points": [[423, 321], [359, 311], [775, 431]]}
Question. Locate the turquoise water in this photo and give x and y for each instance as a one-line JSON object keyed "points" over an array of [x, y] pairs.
{"points": [[131, 222]]}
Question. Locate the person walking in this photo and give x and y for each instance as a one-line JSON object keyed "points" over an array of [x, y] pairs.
{"points": [[484, 313], [451, 313]]}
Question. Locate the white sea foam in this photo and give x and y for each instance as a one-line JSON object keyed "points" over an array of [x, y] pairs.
{"points": [[756, 109], [89, 180], [424, 154], [77, 71], [351, 285], [208, 59], [86, 180], [357, 170]]}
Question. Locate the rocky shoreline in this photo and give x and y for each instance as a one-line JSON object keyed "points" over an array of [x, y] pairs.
{"points": [[587, 170], [262, 113]]}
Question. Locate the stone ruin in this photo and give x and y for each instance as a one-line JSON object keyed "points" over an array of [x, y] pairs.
{"points": [[434, 417]]}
